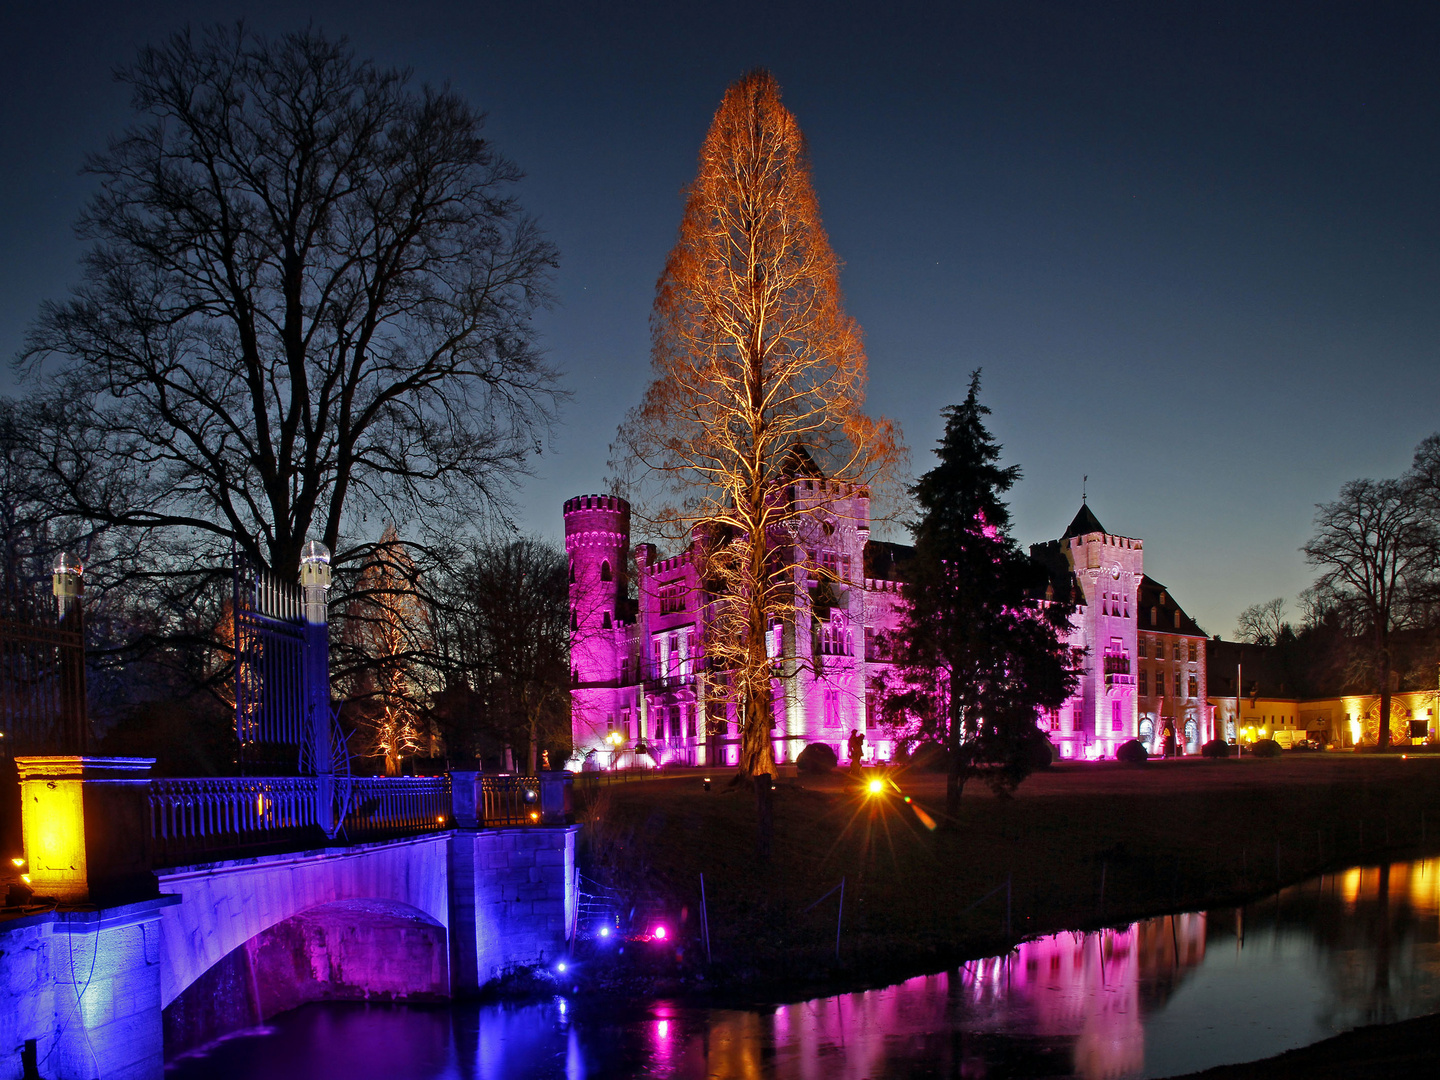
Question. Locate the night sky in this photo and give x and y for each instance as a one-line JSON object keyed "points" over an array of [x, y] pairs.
{"points": [[1193, 245]]}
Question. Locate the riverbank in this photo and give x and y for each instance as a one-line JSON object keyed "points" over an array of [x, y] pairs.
{"points": [[1080, 845], [1382, 1051]]}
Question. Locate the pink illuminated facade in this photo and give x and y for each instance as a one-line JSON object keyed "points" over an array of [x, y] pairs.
{"points": [[636, 653]]}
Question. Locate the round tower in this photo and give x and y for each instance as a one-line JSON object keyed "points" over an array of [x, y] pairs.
{"points": [[597, 538]]}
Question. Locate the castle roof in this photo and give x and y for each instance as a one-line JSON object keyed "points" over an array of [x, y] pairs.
{"points": [[1153, 594], [1085, 522]]}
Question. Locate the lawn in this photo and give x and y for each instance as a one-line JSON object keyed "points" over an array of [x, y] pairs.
{"points": [[1079, 845]]}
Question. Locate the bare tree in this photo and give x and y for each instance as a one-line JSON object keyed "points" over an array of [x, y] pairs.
{"points": [[1374, 548], [1262, 624], [307, 299], [507, 630], [759, 378]]}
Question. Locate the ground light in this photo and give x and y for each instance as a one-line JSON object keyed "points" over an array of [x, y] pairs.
{"points": [[875, 787]]}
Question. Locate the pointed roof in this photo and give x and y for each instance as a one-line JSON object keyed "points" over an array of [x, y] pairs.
{"points": [[1085, 522]]}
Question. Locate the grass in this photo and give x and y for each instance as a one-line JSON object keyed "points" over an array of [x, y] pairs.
{"points": [[1079, 845]]}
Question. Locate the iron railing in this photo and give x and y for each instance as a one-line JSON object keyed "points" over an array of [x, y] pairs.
{"points": [[190, 818], [510, 800], [396, 806]]}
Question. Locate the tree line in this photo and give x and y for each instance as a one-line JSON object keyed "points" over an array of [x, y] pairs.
{"points": [[1370, 623]]}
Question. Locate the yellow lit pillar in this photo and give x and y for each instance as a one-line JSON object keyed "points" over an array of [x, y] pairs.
{"points": [[86, 827]]}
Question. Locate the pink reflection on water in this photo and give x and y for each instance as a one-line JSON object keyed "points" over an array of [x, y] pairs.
{"points": [[1083, 989]]}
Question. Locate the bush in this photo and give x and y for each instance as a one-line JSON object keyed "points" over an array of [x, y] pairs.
{"points": [[1215, 748], [1132, 753], [1265, 748], [818, 757], [1039, 751]]}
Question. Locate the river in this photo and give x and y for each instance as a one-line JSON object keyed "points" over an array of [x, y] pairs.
{"points": [[1156, 998]]}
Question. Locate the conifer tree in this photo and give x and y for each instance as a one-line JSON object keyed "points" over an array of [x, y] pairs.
{"points": [[979, 651]]}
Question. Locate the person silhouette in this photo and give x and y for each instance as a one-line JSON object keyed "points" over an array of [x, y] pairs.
{"points": [[857, 750]]}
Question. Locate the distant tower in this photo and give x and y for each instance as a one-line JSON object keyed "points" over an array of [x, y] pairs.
{"points": [[597, 538]]}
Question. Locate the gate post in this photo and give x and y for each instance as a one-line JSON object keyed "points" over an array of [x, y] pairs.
{"points": [[315, 581], [68, 584]]}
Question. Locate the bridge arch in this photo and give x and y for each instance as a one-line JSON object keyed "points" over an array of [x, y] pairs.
{"points": [[225, 904]]}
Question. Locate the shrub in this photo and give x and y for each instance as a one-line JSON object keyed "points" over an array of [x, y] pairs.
{"points": [[1039, 751], [1265, 748], [818, 757], [1132, 753], [1215, 748]]}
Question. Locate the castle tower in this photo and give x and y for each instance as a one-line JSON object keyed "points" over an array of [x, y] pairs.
{"points": [[1108, 569], [597, 538]]}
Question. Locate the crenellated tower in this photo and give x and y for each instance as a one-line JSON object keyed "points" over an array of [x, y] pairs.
{"points": [[597, 537]]}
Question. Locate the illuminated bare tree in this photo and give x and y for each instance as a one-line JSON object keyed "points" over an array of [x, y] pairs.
{"points": [[388, 625], [759, 377]]}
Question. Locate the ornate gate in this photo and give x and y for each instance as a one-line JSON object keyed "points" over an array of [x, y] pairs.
{"points": [[284, 719], [42, 669]]}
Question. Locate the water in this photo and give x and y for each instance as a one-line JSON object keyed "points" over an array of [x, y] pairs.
{"points": [[1157, 998]]}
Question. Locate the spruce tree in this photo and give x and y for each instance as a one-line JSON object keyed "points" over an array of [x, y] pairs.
{"points": [[979, 651]]}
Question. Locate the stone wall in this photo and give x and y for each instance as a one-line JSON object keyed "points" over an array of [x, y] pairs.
{"points": [[521, 889]]}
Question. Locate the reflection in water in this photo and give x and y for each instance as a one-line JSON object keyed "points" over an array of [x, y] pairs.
{"points": [[1156, 998]]}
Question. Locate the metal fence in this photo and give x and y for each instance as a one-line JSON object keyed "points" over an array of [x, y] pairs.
{"points": [[42, 676], [510, 800], [191, 818], [396, 806]]}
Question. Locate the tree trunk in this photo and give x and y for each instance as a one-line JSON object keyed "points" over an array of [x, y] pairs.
{"points": [[1384, 667], [534, 746], [955, 776]]}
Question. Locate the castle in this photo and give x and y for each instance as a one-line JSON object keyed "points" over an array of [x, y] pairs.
{"points": [[636, 697]]}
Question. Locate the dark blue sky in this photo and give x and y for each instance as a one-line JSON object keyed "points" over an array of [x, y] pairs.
{"points": [[1193, 245]]}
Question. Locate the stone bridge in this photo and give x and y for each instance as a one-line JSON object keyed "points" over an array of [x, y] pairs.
{"points": [[129, 965]]}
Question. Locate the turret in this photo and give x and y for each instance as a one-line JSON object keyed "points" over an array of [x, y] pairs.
{"points": [[597, 537]]}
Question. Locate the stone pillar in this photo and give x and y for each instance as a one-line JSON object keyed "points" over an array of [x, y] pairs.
{"points": [[465, 799], [86, 823], [315, 674], [555, 798], [512, 900], [105, 967]]}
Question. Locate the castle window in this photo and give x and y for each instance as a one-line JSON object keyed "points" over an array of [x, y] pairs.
{"points": [[572, 571], [690, 720], [1140, 648], [1177, 618], [1152, 615], [605, 570], [1177, 684], [1192, 652], [1115, 716], [1194, 686], [605, 621], [574, 620], [1176, 651], [1144, 682]]}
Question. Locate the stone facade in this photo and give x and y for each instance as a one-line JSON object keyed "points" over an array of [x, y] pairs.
{"points": [[637, 696]]}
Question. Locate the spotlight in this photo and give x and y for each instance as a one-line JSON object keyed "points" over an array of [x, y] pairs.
{"points": [[875, 787], [560, 966], [660, 933], [604, 931]]}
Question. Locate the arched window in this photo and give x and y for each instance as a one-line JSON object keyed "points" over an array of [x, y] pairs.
{"points": [[605, 621], [605, 571], [572, 571]]}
